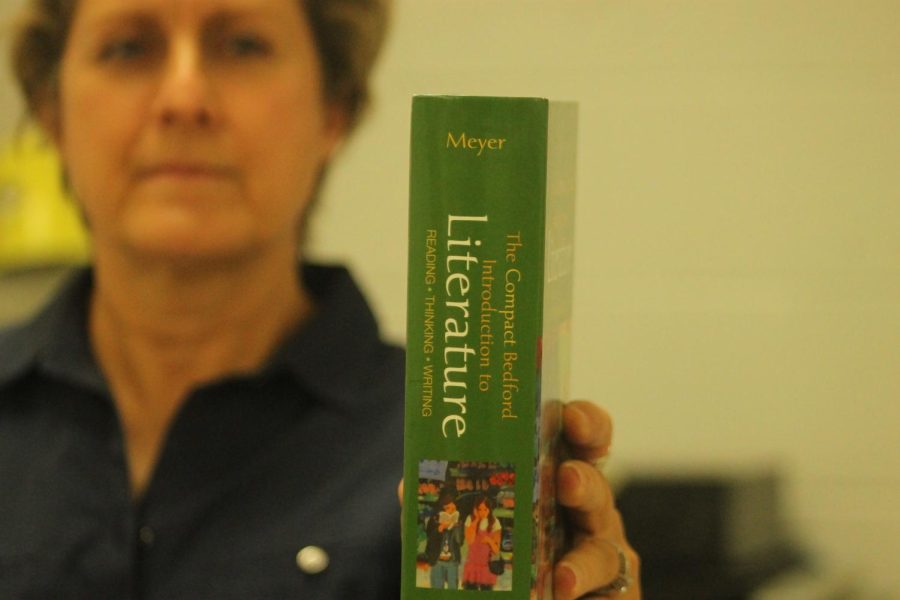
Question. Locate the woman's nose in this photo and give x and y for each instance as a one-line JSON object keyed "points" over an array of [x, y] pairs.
{"points": [[185, 96]]}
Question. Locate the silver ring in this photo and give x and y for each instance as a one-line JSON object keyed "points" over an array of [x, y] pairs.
{"points": [[623, 580]]}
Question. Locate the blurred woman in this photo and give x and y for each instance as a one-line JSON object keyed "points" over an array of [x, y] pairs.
{"points": [[201, 414]]}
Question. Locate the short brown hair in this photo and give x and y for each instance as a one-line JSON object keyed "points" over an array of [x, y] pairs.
{"points": [[348, 34]]}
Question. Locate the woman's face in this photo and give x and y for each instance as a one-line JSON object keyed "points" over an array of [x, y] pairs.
{"points": [[193, 128], [482, 511]]}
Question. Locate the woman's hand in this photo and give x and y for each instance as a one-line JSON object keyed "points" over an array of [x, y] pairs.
{"points": [[494, 542], [593, 560]]}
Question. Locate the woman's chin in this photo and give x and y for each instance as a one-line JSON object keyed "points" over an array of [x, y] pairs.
{"points": [[195, 248]]}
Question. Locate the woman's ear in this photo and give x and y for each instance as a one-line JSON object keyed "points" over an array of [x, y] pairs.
{"points": [[335, 128], [47, 113]]}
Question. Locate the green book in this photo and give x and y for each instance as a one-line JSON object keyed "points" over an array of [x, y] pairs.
{"points": [[490, 273]]}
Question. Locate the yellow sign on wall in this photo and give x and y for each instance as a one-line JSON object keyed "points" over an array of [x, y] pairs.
{"points": [[39, 223]]}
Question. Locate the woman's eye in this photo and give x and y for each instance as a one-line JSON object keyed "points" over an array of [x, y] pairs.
{"points": [[125, 49], [247, 45]]}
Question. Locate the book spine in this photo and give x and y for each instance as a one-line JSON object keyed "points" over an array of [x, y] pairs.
{"points": [[478, 506]]}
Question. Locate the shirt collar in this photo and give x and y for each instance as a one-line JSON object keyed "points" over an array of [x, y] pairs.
{"points": [[56, 340], [336, 354]]}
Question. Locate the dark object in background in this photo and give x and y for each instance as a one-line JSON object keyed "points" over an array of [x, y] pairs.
{"points": [[706, 536]]}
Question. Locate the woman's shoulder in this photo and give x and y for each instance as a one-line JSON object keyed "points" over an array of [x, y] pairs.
{"points": [[56, 329]]}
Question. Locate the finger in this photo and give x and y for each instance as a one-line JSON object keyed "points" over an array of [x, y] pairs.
{"points": [[586, 495], [587, 567], [588, 430], [593, 564], [400, 492]]}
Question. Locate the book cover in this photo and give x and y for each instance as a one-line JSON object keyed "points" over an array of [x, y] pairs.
{"points": [[489, 297]]}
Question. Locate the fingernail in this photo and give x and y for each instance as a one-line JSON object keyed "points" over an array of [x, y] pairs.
{"points": [[571, 480], [575, 474], [564, 577], [580, 418]]}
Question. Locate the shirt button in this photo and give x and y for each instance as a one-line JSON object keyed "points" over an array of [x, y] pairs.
{"points": [[146, 535], [312, 560]]}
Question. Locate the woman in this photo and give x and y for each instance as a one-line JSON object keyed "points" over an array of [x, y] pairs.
{"points": [[182, 420], [483, 533]]}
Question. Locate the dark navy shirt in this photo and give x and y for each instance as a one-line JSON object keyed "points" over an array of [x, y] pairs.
{"points": [[306, 453]]}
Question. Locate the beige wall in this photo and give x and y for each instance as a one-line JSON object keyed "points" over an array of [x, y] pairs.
{"points": [[738, 249], [738, 243], [10, 107]]}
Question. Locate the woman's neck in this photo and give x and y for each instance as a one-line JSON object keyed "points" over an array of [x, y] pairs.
{"points": [[160, 330], [157, 325]]}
